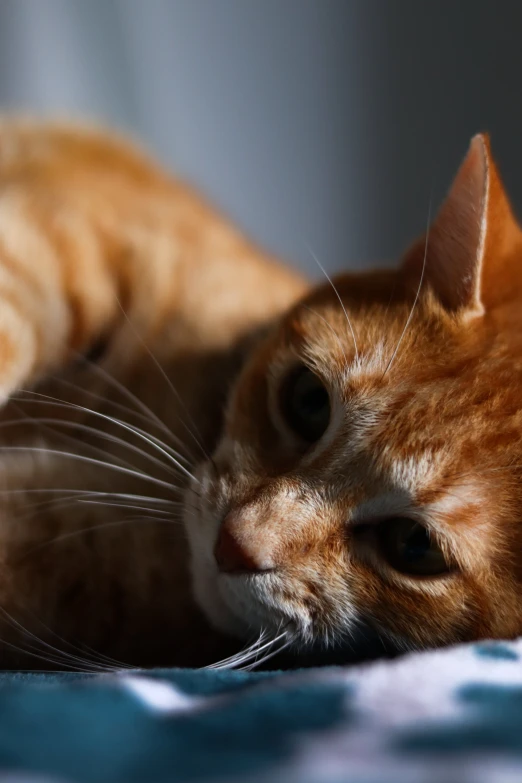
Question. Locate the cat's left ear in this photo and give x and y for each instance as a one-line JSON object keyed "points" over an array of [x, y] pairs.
{"points": [[471, 232]]}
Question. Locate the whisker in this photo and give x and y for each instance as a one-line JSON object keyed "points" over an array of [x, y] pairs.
{"points": [[116, 664], [99, 433], [106, 504], [336, 292], [114, 523], [64, 437], [94, 493], [45, 490], [90, 460], [49, 646], [232, 660], [71, 500], [50, 659], [170, 385], [118, 422], [103, 659], [410, 316], [113, 661], [126, 409], [267, 657], [141, 417], [148, 412], [244, 656]]}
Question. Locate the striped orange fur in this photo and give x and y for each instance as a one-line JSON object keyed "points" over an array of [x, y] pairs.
{"points": [[197, 447], [402, 512], [99, 247]]}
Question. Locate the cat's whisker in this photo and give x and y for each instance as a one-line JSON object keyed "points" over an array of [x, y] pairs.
{"points": [[195, 437], [126, 409], [117, 422], [106, 504], [60, 663], [268, 656], [116, 384], [45, 490], [417, 295], [250, 655], [80, 457], [242, 655], [105, 525], [128, 496], [99, 433], [63, 657], [74, 500], [103, 659], [67, 438], [70, 495], [337, 294], [276, 637], [55, 650]]}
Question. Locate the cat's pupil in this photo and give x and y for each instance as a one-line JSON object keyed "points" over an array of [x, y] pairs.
{"points": [[409, 548], [417, 543], [305, 404], [313, 402]]}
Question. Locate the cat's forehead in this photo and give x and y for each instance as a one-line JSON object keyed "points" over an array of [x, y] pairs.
{"points": [[368, 337]]}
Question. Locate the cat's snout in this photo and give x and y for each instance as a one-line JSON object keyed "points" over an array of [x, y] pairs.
{"points": [[235, 556]]}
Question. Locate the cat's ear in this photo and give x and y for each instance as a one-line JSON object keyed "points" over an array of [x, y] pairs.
{"points": [[474, 219]]}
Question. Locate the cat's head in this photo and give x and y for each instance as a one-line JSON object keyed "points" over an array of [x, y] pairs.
{"points": [[370, 465]]}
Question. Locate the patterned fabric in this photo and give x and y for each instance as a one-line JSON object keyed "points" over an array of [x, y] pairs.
{"points": [[453, 715]]}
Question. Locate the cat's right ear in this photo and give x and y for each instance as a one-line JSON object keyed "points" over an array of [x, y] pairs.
{"points": [[473, 226]]}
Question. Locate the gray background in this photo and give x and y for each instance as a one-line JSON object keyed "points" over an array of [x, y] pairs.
{"points": [[321, 123]]}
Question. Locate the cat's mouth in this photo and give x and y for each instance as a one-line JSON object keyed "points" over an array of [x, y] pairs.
{"points": [[271, 604], [241, 592], [292, 634], [253, 605]]}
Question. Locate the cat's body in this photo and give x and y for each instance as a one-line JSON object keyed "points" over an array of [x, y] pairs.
{"points": [[97, 244], [324, 439]]}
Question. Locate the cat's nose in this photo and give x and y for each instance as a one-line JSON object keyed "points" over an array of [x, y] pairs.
{"points": [[233, 557]]}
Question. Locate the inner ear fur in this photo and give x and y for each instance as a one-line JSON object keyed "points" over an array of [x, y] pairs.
{"points": [[468, 238]]}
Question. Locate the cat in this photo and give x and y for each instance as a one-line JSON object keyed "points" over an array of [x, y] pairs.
{"points": [[201, 450], [368, 472]]}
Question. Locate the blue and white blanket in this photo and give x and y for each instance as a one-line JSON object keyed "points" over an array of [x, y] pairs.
{"points": [[452, 716]]}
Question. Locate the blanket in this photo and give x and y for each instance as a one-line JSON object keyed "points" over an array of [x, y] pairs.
{"points": [[453, 715]]}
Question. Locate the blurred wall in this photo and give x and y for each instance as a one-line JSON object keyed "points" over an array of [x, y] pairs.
{"points": [[315, 123]]}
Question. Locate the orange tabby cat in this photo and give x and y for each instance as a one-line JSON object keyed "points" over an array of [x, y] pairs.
{"points": [[340, 456]]}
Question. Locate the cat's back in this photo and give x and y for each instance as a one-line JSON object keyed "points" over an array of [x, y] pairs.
{"points": [[99, 244], [129, 206]]}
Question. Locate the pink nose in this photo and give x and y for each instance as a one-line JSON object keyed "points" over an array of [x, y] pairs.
{"points": [[234, 558]]}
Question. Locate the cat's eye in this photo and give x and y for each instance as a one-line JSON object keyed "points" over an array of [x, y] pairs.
{"points": [[305, 404], [409, 548]]}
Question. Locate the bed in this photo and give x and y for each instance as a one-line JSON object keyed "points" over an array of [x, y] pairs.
{"points": [[453, 715]]}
